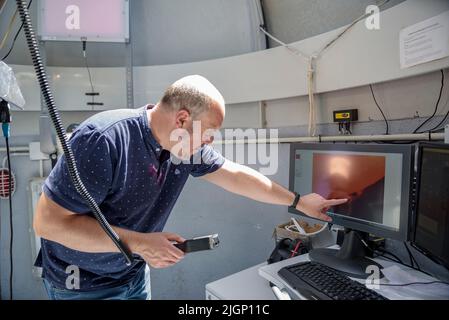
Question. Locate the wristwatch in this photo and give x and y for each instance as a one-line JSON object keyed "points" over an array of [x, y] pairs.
{"points": [[295, 202]]}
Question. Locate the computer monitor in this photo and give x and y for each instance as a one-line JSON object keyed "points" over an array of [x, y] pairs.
{"points": [[431, 227], [376, 179]]}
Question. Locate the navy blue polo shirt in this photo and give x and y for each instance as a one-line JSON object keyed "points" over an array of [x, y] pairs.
{"points": [[132, 179]]}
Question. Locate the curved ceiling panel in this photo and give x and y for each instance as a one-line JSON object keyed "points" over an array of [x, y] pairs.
{"points": [[162, 32]]}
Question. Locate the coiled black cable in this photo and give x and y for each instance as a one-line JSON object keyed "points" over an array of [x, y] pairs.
{"points": [[60, 131]]}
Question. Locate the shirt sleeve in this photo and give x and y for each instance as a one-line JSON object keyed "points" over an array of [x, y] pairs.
{"points": [[211, 160], [94, 160]]}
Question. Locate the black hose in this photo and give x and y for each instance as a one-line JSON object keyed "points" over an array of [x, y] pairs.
{"points": [[60, 131]]}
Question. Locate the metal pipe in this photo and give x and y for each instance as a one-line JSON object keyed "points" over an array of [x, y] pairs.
{"points": [[343, 138], [16, 149]]}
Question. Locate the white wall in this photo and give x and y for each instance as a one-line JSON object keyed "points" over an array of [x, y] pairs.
{"points": [[399, 99]]}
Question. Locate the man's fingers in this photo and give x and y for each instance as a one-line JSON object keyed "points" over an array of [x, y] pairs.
{"points": [[171, 260], [162, 264], [334, 202], [175, 252], [174, 237]]}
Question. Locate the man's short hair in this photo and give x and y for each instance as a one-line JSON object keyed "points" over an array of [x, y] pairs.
{"points": [[192, 93]]}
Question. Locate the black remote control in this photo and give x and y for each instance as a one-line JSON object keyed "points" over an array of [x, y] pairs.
{"points": [[199, 244]]}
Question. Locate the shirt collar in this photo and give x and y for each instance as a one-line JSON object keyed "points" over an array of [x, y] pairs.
{"points": [[148, 136]]}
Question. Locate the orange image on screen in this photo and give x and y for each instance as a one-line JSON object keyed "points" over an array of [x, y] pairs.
{"points": [[358, 178]]}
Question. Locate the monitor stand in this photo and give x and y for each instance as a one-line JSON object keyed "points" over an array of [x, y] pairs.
{"points": [[350, 258]]}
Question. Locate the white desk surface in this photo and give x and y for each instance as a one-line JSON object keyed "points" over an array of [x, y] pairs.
{"points": [[253, 283], [243, 285]]}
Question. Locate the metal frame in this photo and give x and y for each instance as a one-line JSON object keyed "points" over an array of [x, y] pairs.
{"points": [[417, 246], [407, 152]]}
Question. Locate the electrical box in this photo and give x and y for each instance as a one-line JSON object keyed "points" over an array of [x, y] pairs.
{"points": [[344, 118], [35, 190], [346, 115]]}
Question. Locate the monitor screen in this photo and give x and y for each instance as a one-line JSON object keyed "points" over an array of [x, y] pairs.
{"points": [[432, 214], [371, 180]]}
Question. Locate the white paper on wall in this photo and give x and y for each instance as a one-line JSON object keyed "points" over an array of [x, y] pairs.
{"points": [[425, 41]]}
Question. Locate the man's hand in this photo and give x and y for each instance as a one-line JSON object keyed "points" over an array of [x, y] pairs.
{"points": [[158, 250], [316, 206]]}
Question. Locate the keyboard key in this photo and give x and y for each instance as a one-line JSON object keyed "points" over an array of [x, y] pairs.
{"points": [[313, 279]]}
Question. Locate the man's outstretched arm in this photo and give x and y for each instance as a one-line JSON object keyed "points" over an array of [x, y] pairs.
{"points": [[249, 183]]}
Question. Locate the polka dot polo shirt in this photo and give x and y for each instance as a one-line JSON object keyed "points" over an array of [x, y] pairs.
{"points": [[132, 179]]}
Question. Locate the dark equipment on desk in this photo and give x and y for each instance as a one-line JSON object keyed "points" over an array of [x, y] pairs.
{"points": [[288, 248], [316, 281], [199, 244], [431, 228]]}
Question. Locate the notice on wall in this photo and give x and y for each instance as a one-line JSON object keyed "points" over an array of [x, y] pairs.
{"points": [[425, 41]]}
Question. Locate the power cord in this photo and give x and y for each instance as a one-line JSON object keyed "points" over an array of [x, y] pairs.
{"points": [[436, 107], [412, 283], [312, 59], [15, 37], [412, 258], [383, 252], [435, 129], [396, 258], [387, 130]]}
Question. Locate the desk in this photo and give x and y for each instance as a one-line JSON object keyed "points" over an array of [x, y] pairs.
{"points": [[243, 285], [253, 283]]}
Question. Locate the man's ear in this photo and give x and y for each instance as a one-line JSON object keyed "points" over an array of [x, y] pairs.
{"points": [[182, 116]]}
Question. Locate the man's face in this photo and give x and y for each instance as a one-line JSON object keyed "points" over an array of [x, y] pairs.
{"points": [[192, 134]]}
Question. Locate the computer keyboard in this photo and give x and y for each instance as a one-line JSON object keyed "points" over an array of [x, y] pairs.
{"points": [[319, 282]]}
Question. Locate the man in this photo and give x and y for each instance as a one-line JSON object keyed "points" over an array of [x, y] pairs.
{"points": [[126, 159]]}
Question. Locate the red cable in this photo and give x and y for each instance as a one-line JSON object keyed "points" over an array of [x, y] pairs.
{"points": [[296, 249]]}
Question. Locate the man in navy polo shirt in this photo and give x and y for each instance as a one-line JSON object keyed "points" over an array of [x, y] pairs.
{"points": [[135, 164]]}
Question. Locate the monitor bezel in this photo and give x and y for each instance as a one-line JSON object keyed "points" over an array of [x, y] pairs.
{"points": [[423, 250], [407, 151]]}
